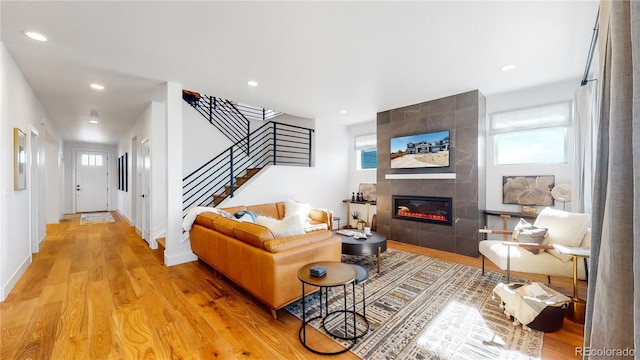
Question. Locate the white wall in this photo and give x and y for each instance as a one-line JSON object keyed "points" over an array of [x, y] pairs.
{"points": [[201, 141], [555, 92], [19, 108], [158, 141], [70, 149], [53, 185], [140, 130]]}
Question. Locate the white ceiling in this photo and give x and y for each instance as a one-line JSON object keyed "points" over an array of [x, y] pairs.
{"points": [[311, 59]]}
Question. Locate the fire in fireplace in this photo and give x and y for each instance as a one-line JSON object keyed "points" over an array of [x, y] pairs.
{"points": [[429, 209]]}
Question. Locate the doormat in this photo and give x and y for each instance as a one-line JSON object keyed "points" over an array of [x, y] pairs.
{"points": [[425, 308], [96, 218]]}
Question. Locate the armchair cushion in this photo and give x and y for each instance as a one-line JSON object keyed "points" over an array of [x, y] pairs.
{"points": [[564, 228], [527, 233]]}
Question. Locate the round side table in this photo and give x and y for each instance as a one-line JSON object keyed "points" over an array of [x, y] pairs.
{"points": [[338, 274]]}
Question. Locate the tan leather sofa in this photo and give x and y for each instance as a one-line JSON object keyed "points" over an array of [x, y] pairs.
{"points": [[252, 257]]}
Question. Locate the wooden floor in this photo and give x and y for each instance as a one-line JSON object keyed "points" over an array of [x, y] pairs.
{"points": [[98, 292]]}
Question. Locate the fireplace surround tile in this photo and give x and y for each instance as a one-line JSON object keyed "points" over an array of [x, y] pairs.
{"points": [[463, 115]]}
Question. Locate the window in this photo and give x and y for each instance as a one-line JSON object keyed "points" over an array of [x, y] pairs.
{"points": [[368, 159], [91, 160], [535, 135], [365, 146]]}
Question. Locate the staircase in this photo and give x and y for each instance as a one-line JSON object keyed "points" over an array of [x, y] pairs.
{"points": [[273, 143]]}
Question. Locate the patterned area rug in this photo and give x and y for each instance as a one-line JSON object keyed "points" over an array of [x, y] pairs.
{"points": [[96, 218], [425, 308]]}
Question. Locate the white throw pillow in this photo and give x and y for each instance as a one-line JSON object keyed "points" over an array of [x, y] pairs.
{"points": [[564, 228], [288, 226], [297, 208]]}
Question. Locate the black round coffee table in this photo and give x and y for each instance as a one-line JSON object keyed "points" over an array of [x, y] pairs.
{"points": [[374, 244]]}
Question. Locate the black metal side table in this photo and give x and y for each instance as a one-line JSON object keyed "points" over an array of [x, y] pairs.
{"points": [[338, 274]]}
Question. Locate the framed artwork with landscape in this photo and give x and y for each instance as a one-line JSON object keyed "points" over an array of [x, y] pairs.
{"points": [[528, 190], [19, 159]]}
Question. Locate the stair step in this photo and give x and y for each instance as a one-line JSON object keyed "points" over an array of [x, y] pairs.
{"points": [[252, 171]]}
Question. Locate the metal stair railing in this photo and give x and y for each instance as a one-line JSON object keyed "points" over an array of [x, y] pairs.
{"points": [[273, 143], [232, 120]]}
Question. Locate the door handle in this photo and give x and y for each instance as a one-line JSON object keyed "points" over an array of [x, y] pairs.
{"points": [[142, 195]]}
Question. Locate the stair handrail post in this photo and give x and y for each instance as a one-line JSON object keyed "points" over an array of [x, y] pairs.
{"points": [[231, 171], [211, 106], [248, 139], [309, 147], [275, 139]]}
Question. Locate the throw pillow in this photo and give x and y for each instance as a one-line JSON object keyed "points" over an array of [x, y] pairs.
{"points": [[297, 208], [527, 233], [288, 226], [242, 214]]}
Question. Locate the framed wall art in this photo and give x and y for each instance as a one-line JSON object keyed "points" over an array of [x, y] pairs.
{"points": [[528, 190], [19, 159]]}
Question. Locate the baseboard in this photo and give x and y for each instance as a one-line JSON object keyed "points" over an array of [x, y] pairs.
{"points": [[124, 217], [179, 259], [53, 221], [13, 280], [138, 231]]}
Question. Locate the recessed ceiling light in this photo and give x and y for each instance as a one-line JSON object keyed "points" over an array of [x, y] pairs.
{"points": [[252, 83], [343, 111], [93, 121], [35, 36], [508, 67], [97, 87]]}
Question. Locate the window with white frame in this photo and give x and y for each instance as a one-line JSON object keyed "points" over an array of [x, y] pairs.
{"points": [[366, 152], [536, 135]]}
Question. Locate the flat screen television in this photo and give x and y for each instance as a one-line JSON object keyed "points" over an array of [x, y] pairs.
{"points": [[428, 150]]}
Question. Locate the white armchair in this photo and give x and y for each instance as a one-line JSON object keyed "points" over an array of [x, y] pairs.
{"points": [[563, 228]]}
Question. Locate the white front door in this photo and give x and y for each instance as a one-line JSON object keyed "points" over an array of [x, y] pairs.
{"points": [[144, 191], [91, 181]]}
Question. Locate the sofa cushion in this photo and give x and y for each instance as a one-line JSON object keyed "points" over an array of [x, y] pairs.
{"points": [[224, 225], [252, 234], [206, 219], [319, 215], [286, 243], [310, 226], [527, 233], [288, 226]]}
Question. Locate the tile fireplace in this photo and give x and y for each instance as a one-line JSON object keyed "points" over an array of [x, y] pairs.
{"points": [[430, 209]]}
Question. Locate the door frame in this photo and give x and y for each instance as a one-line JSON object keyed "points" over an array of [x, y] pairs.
{"points": [[111, 169], [33, 186], [146, 185]]}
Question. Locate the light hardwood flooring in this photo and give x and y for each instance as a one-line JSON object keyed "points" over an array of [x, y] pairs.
{"points": [[98, 292]]}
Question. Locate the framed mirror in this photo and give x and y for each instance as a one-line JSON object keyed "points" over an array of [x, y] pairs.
{"points": [[19, 159]]}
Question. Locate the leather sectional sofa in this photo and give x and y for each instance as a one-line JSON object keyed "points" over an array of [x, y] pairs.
{"points": [[251, 256]]}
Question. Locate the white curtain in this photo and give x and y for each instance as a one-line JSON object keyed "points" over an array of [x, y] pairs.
{"points": [[612, 324], [584, 125]]}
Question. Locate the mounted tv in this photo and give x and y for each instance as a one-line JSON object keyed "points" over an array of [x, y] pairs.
{"points": [[428, 150]]}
